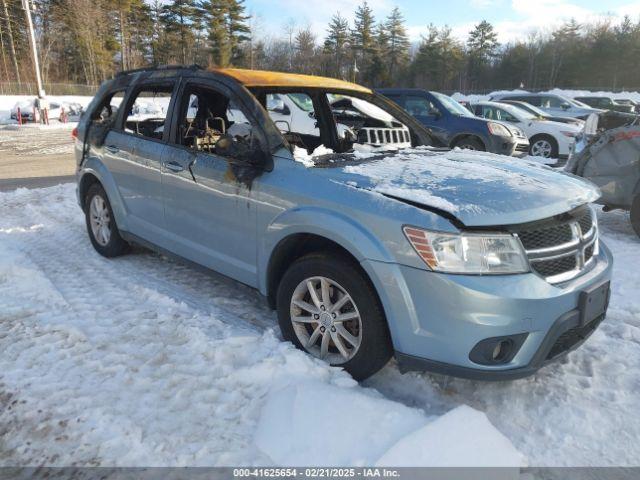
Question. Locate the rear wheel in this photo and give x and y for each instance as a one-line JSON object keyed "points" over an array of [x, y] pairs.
{"points": [[101, 224], [327, 307], [470, 143], [543, 146], [635, 214]]}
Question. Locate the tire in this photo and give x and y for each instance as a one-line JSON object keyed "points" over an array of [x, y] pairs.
{"points": [[366, 322], [544, 146], [634, 214], [101, 225], [470, 143]]}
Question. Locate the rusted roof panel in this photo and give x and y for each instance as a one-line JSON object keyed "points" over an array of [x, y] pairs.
{"points": [[261, 78]]}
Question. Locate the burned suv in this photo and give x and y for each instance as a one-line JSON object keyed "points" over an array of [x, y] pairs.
{"points": [[367, 241]]}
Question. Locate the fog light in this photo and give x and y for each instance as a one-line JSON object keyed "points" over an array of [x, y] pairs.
{"points": [[501, 350], [497, 350]]}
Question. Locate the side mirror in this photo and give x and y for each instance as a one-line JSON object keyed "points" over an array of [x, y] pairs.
{"points": [[435, 113], [283, 126], [565, 106], [277, 105]]}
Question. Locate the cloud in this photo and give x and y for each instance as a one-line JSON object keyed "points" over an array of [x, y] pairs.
{"points": [[541, 15]]}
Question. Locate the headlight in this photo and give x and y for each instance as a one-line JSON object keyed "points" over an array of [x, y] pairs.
{"points": [[469, 253], [497, 129]]}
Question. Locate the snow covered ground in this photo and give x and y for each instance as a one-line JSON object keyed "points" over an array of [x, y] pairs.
{"points": [[144, 361]]}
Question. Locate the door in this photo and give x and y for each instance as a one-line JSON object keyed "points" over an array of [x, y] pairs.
{"points": [[208, 205], [428, 114], [136, 150]]}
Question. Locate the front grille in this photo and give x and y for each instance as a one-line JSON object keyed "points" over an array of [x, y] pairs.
{"points": [[546, 237], [522, 147], [572, 337], [586, 222], [559, 250], [558, 266]]}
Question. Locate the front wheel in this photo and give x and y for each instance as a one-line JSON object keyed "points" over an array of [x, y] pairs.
{"points": [[543, 146], [470, 143], [634, 214], [327, 307]]}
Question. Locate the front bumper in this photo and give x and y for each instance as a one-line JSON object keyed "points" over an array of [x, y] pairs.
{"points": [[511, 146], [436, 319]]}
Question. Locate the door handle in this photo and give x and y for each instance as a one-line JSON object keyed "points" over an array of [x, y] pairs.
{"points": [[174, 167], [112, 149]]}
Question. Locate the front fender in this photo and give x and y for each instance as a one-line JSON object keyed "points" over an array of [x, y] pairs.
{"points": [[94, 166], [327, 223]]}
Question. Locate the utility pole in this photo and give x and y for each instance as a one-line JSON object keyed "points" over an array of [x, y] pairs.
{"points": [[34, 48]]}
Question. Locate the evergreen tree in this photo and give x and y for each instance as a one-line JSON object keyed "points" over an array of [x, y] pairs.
{"points": [[482, 45], [226, 23], [177, 17], [335, 45], [398, 43], [362, 39]]}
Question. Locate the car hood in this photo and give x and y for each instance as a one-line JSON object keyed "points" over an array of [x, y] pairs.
{"points": [[478, 188]]}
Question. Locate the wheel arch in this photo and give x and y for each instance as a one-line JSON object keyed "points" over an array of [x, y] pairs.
{"points": [[293, 247], [464, 135], [94, 171], [305, 229]]}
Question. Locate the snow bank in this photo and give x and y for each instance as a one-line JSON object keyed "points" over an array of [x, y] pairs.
{"points": [[317, 424], [462, 437]]}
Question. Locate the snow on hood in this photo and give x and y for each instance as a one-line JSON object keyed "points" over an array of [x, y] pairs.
{"points": [[480, 189]]}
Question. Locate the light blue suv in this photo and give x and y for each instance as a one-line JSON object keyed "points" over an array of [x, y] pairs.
{"points": [[368, 242]]}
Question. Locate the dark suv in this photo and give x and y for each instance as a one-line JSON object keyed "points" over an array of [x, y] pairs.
{"points": [[455, 126]]}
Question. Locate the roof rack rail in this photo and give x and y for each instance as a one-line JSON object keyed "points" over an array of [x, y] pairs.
{"points": [[160, 67]]}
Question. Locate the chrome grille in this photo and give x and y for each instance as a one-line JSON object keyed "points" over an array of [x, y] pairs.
{"points": [[561, 251]]}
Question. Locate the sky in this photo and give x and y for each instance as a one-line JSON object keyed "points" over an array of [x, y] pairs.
{"points": [[513, 19]]}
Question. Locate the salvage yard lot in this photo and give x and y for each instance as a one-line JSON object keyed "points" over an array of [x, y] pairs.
{"points": [[145, 361]]}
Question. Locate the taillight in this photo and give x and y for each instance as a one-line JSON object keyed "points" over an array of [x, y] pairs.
{"points": [[74, 133]]}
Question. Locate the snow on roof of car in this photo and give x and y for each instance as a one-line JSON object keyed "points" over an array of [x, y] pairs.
{"points": [[261, 78]]}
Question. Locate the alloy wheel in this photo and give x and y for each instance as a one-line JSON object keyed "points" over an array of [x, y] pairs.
{"points": [[326, 320], [541, 148], [100, 220]]}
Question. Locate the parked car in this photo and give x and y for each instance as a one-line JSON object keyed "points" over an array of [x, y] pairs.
{"points": [[547, 139], [458, 262], [605, 103], [608, 154], [626, 101], [455, 126], [26, 110], [542, 115], [556, 105], [296, 111]]}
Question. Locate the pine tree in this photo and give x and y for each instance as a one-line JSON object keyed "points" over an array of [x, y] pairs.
{"points": [[227, 28], [483, 46], [483, 41], [335, 45], [362, 38], [398, 42], [177, 17]]}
